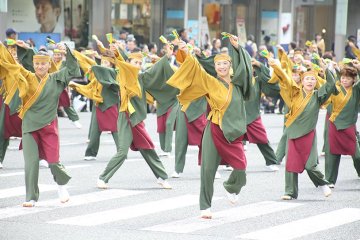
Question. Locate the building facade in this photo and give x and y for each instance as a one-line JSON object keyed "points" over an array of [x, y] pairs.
{"points": [[282, 20]]}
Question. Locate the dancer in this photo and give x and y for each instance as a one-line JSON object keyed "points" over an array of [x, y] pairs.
{"points": [[39, 93], [224, 132], [304, 104], [131, 128], [103, 89], [340, 138]]}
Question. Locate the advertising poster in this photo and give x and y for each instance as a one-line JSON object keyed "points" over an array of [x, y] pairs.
{"points": [[36, 16], [241, 30]]}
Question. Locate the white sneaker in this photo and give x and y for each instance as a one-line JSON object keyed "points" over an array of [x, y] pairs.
{"points": [[30, 203], [326, 190], [227, 168], [245, 147], [331, 185], [101, 184], [63, 194], [175, 175], [1, 166], [322, 154], [43, 163], [77, 124], [89, 158], [217, 175], [87, 140], [271, 168], [233, 197], [164, 183], [206, 214], [286, 197]]}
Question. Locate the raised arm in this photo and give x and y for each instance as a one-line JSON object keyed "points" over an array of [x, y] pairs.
{"points": [[71, 69], [242, 67], [156, 76], [85, 62], [263, 76], [328, 88], [192, 80], [286, 84]]}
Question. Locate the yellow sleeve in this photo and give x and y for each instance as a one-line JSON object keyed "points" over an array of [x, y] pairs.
{"points": [[193, 82], [320, 81], [286, 84], [11, 71], [150, 99], [128, 78], [91, 90], [85, 62], [356, 51], [286, 63]]}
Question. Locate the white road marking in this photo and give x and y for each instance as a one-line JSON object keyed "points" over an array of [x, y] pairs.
{"points": [[22, 173], [306, 226], [19, 191], [76, 200], [223, 217], [130, 211]]}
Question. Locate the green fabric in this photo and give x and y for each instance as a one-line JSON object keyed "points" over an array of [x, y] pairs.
{"points": [[196, 109], [236, 181], [349, 114], [4, 143], [125, 139], [332, 161], [208, 64], [94, 137], [291, 179], [166, 138], [234, 119], [154, 81], [25, 57], [44, 110], [281, 148], [209, 165], [110, 91], [15, 103], [252, 106], [31, 156], [241, 63], [268, 153], [70, 111], [181, 142], [307, 120]]}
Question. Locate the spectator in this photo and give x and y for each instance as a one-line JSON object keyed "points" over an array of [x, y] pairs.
{"points": [[216, 46], [11, 33], [131, 45], [268, 45], [320, 44], [348, 51], [250, 46], [123, 35], [183, 35]]}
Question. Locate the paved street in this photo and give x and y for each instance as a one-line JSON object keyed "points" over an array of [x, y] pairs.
{"points": [[135, 207]]}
